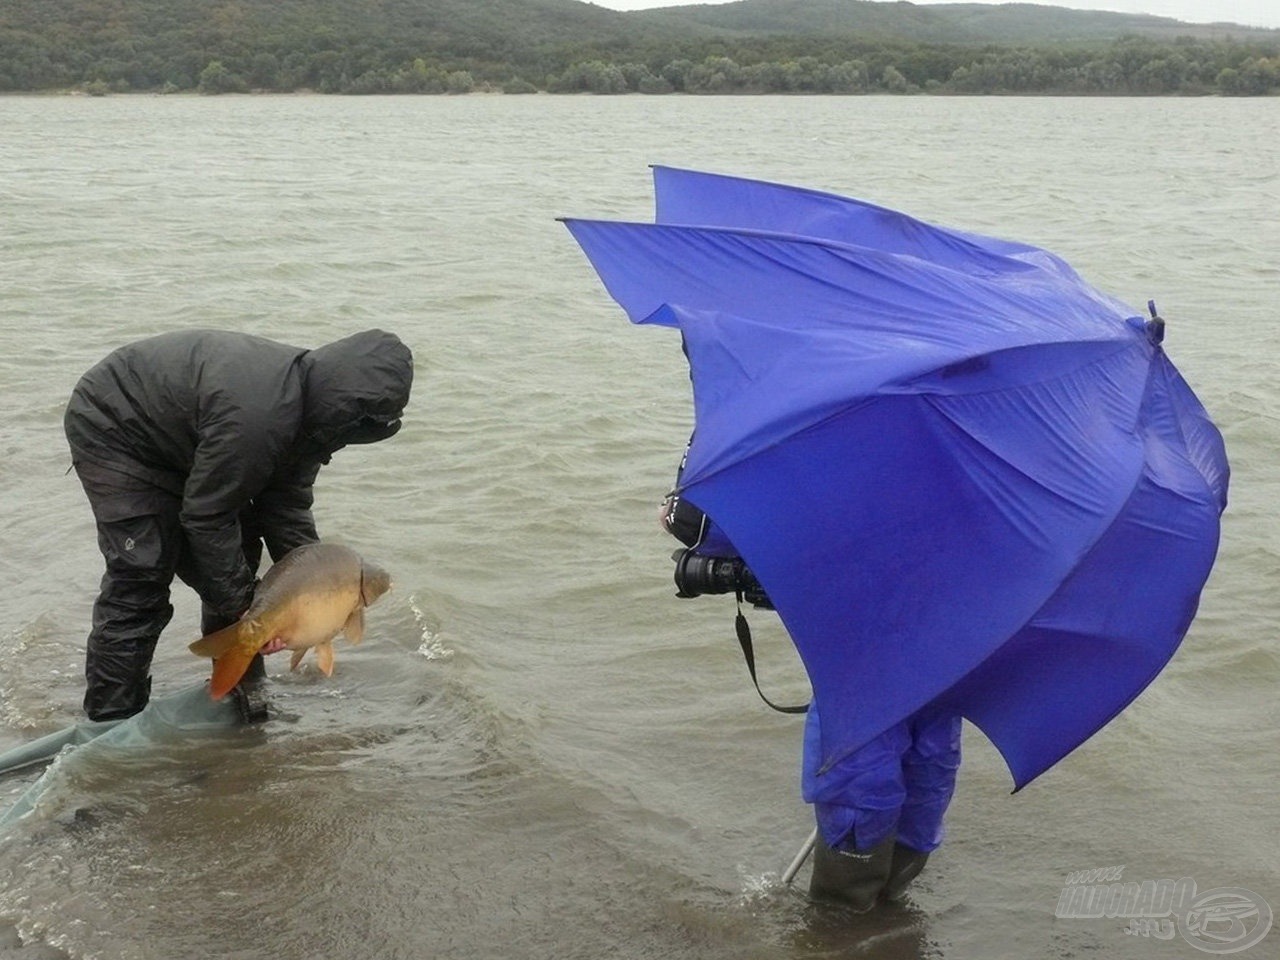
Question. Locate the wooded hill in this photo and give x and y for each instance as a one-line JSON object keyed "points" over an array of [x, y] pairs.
{"points": [[968, 23], [522, 46]]}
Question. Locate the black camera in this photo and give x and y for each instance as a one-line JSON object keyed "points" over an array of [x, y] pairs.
{"points": [[696, 575]]}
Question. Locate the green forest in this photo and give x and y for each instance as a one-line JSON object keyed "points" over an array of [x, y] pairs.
{"points": [[563, 46]]}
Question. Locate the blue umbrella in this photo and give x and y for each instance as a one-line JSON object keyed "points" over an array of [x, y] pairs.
{"points": [[966, 479]]}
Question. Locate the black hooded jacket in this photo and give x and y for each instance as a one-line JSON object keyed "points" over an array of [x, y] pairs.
{"points": [[230, 422]]}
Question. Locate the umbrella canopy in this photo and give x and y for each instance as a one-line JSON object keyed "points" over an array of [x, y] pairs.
{"points": [[966, 479]]}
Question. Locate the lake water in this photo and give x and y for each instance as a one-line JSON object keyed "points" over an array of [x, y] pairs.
{"points": [[538, 752]]}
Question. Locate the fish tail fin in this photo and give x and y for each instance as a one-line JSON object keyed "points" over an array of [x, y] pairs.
{"points": [[233, 649], [228, 669], [217, 643]]}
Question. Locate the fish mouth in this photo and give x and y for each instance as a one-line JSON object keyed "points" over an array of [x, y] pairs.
{"points": [[374, 582]]}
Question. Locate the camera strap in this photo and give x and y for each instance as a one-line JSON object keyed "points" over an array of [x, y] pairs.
{"points": [[748, 653]]}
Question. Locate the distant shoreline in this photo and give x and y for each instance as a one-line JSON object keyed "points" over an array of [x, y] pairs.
{"points": [[753, 47], [1012, 94]]}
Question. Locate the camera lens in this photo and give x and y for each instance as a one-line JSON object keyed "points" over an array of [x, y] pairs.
{"points": [[696, 575]]}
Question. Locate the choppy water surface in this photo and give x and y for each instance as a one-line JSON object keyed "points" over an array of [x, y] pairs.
{"points": [[538, 752]]}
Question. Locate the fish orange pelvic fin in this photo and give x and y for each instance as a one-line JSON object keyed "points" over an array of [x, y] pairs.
{"points": [[324, 656]]}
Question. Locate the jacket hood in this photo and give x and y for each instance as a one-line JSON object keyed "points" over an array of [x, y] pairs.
{"points": [[354, 391]]}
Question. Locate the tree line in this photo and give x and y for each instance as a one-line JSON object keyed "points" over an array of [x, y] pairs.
{"points": [[1128, 66]]}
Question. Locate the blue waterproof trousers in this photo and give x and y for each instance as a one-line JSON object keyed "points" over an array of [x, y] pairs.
{"points": [[898, 785]]}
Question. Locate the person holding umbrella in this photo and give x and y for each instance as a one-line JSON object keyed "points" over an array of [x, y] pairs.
{"points": [[970, 484]]}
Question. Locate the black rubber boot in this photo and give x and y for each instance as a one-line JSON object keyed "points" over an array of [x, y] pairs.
{"points": [[117, 679], [129, 615], [905, 867], [108, 700], [852, 877], [251, 692]]}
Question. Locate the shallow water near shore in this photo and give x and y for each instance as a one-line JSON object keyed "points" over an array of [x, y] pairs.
{"points": [[538, 752]]}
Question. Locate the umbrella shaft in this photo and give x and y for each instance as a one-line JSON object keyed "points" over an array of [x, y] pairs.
{"points": [[790, 873]]}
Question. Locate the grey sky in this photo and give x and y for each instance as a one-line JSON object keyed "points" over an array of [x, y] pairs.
{"points": [[1258, 13]]}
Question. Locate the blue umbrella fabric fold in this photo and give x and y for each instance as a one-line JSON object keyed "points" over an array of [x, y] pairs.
{"points": [[714, 200], [966, 479]]}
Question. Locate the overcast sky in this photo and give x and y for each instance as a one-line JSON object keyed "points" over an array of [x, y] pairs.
{"points": [[1258, 13]]}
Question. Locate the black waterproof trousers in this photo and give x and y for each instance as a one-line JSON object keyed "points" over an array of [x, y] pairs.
{"points": [[141, 539]]}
